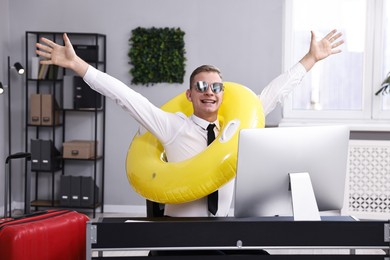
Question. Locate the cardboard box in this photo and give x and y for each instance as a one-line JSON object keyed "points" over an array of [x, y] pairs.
{"points": [[79, 149]]}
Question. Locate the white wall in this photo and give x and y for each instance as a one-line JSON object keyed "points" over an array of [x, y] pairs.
{"points": [[243, 38]]}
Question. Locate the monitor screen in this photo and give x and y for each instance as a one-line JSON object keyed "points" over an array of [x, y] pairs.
{"points": [[266, 157]]}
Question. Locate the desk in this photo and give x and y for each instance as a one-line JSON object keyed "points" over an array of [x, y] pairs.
{"points": [[239, 233]]}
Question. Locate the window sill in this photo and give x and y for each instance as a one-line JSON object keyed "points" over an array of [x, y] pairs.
{"points": [[354, 125]]}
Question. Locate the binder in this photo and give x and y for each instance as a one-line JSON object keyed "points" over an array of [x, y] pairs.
{"points": [[34, 67], [44, 156], [65, 184], [47, 156], [35, 109], [68, 92], [52, 73], [35, 155], [49, 108], [43, 108], [88, 188], [75, 191], [46, 109]]}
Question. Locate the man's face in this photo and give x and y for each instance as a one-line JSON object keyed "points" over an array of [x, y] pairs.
{"points": [[205, 104]]}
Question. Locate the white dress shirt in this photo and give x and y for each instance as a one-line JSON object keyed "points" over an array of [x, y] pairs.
{"points": [[184, 137]]}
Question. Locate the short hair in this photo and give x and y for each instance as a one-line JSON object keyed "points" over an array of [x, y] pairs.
{"points": [[204, 68]]}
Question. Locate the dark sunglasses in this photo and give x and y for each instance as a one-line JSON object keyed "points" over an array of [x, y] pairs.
{"points": [[203, 86]]}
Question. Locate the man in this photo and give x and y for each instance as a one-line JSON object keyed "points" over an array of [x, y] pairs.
{"points": [[183, 137]]}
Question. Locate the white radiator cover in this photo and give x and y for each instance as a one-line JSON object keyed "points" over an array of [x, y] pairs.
{"points": [[368, 180]]}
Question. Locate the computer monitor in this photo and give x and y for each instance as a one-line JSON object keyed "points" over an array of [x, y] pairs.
{"points": [[267, 156]]}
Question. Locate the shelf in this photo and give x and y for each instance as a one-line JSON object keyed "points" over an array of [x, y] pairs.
{"points": [[84, 110], [57, 204], [46, 80], [56, 125], [57, 169], [68, 33], [80, 159], [58, 83], [45, 203]]}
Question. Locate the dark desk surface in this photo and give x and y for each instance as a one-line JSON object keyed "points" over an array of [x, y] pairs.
{"points": [[334, 231], [215, 219]]}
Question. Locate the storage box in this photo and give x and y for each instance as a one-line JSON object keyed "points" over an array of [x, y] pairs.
{"points": [[44, 156], [35, 109], [42, 109], [89, 53], [49, 108], [78, 191], [65, 184], [79, 149], [84, 97], [89, 192]]}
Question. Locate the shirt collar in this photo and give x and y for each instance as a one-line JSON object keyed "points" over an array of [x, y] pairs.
{"points": [[204, 123]]}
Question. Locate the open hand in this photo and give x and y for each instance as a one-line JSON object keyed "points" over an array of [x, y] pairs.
{"points": [[63, 56]]}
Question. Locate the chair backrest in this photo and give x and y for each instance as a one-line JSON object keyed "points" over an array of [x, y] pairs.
{"points": [[154, 209]]}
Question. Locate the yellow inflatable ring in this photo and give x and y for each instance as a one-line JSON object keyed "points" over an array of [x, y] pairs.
{"points": [[179, 182]]}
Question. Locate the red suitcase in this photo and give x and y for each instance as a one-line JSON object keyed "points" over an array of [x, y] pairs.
{"points": [[52, 234]]}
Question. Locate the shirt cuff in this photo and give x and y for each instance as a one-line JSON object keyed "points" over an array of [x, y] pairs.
{"points": [[299, 69], [90, 75]]}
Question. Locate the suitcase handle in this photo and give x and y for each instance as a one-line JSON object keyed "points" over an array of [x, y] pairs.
{"points": [[17, 156]]}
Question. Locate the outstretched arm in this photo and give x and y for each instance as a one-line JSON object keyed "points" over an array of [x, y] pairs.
{"points": [[63, 56], [280, 87], [321, 49]]}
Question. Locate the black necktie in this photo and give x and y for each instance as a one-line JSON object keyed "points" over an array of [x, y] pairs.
{"points": [[212, 199]]}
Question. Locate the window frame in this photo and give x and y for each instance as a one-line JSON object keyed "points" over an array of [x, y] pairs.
{"points": [[371, 112]]}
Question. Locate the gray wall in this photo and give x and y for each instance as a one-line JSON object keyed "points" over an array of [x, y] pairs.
{"points": [[4, 17], [243, 38]]}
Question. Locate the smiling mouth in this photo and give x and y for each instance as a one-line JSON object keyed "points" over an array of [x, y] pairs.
{"points": [[208, 101]]}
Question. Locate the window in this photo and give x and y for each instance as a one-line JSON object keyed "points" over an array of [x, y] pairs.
{"points": [[382, 109], [343, 86]]}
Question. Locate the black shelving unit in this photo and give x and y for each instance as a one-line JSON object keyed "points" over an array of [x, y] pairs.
{"points": [[53, 83]]}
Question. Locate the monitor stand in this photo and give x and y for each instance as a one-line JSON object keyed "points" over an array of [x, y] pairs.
{"points": [[304, 203]]}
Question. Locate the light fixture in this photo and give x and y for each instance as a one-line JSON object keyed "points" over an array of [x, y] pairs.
{"points": [[1, 88], [20, 70]]}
